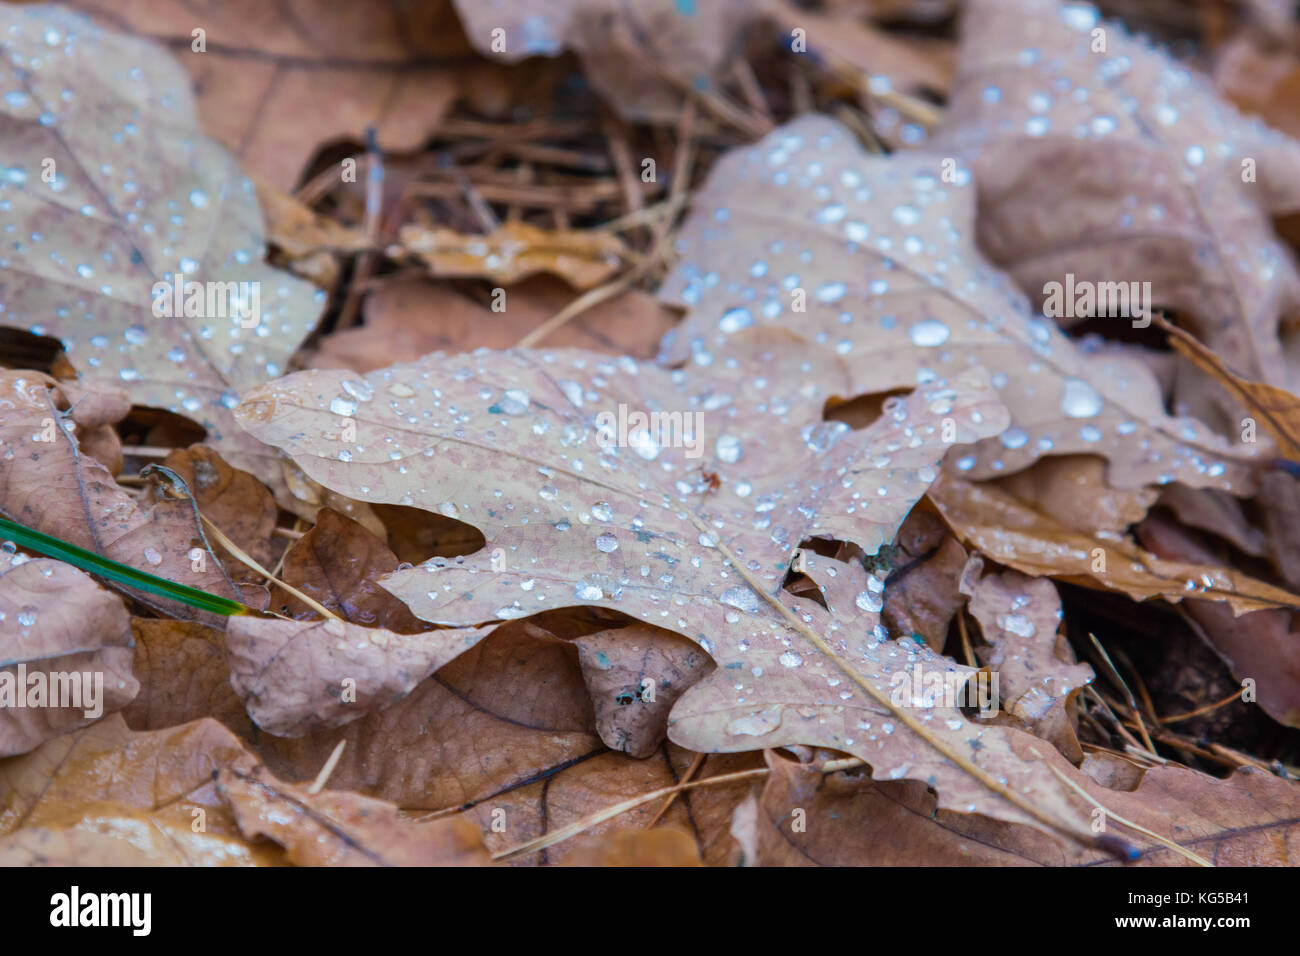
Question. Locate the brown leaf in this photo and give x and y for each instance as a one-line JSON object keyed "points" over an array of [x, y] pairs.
{"points": [[1012, 533], [663, 846], [1035, 666], [1246, 820], [640, 58], [65, 653], [233, 500], [879, 254], [278, 82], [338, 563], [516, 251], [1135, 171], [299, 676], [184, 675], [344, 829], [1263, 645], [52, 487], [409, 318], [134, 211], [921, 592], [634, 675]]}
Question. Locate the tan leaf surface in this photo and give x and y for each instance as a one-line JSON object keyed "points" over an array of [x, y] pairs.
{"points": [[52, 487], [663, 846], [1123, 165], [56, 623], [233, 500], [298, 676], [1010, 532], [139, 196], [639, 57], [881, 252], [516, 251], [1037, 672], [184, 675], [557, 504], [280, 80], [413, 317], [338, 564], [1247, 820]]}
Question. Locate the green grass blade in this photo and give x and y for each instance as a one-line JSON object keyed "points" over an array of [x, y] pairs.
{"points": [[103, 567]]}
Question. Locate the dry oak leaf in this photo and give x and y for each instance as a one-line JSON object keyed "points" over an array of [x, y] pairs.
{"points": [[1036, 670], [184, 675], [337, 563], [300, 676], [52, 487], [1010, 532], [1248, 819], [577, 515], [641, 58], [411, 317], [1263, 645], [277, 81], [105, 796], [65, 652], [233, 500], [873, 259], [344, 829], [136, 195], [1121, 164], [662, 846], [129, 797], [515, 251]]}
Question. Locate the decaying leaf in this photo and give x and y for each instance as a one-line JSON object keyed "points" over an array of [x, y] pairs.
{"points": [[515, 251], [1012, 533], [576, 514], [1037, 674], [412, 317], [641, 58], [881, 254], [47, 484], [297, 676], [1119, 164], [1263, 646], [184, 675], [142, 242], [65, 652], [276, 82], [1246, 820]]}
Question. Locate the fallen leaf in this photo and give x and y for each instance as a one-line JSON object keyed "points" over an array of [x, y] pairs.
{"points": [[139, 200], [641, 58], [409, 318], [921, 591], [558, 503], [1121, 164], [337, 563], [276, 83], [51, 487], [663, 846], [880, 252], [1010, 532], [1263, 646], [515, 251], [233, 500], [65, 652], [299, 676], [184, 675], [1036, 669]]}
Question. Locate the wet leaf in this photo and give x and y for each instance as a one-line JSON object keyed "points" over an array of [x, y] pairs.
{"points": [[137, 196], [65, 652], [881, 254]]}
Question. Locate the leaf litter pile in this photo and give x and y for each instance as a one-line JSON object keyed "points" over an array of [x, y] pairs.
{"points": [[649, 434]]}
